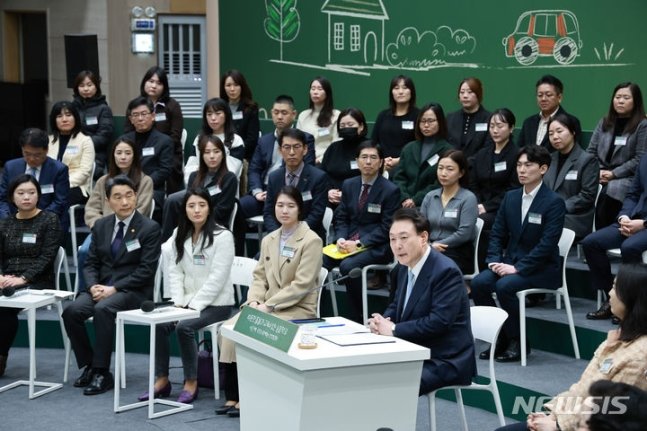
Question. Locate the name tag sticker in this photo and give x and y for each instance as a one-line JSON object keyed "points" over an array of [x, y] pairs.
{"points": [[606, 365], [407, 125], [148, 151], [307, 195], [91, 121], [29, 238], [433, 160], [133, 245], [534, 218], [160, 116], [501, 166], [199, 259], [620, 141], [323, 131], [214, 190], [451, 213], [288, 251], [481, 127], [374, 208], [73, 150], [571, 175], [47, 188], [238, 115], [353, 164]]}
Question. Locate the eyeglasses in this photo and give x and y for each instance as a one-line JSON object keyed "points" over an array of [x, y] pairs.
{"points": [[428, 121], [289, 148], [137, 115]]}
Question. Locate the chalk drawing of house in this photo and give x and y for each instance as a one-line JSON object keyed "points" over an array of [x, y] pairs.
{"points": [[355, 31]]}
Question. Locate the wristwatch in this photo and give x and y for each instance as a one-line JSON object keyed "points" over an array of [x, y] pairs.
{"points": [[393, 329]]}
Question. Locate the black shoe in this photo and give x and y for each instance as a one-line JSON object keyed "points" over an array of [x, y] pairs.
{"points": [[85, 378], [234, 413], [603, 313], [501, 345], [534, 299], [513, 352], [223, 410], [3, 364], [100, 384]]}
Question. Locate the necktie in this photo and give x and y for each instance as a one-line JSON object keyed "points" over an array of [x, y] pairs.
{"points": [[363, 197], [410, 283], [116, 243], [33, 172], [292, 180]]}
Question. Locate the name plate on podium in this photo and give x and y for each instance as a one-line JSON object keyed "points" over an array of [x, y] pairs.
{"points": [[266, 328]]}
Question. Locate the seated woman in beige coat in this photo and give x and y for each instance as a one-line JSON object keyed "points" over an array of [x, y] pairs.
{"points": [[70, 146], [287, 269]]}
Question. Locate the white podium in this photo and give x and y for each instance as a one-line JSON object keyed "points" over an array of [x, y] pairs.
{"points": [[152, 319], [31, 300], [331, 387]]}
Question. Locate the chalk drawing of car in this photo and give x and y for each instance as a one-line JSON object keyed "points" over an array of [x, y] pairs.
{"points": [[544, 33]]}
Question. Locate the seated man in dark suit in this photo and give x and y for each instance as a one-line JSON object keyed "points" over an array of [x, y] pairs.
{"points": [[628, 232], [549, 98], [311, 182], [267, 157], [120, 272], [156, 148], [431, 307], [51, 174], [523, 251], [363, 219]]}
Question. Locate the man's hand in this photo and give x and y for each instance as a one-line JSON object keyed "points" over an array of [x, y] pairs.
{"points": [[629, 227], [100, 292], [11, 280], [503, 269], [380, 325], [408, 203], [346, 246], [541, 422], [606, 176], [481, 209], [261, 196], [439, 247]]}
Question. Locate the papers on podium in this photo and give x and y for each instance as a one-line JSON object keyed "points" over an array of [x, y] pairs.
{"points": [[357, 339]]}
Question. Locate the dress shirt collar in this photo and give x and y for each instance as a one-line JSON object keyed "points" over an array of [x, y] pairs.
{"points": [[418, 266], [533, 192], [126, 221]]}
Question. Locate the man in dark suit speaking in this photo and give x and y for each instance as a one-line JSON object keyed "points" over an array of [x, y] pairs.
{"points": [[431, 307], [120, 272]]}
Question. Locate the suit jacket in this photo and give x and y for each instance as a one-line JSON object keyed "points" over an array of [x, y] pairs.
{"points": [[97, 206], [530, 246], [373, 226], [247, 127], [635, 204], [473, 140], [577, 184], [528, 133], [78, 157], [436, 316], [54, 183], [223, 197], [625, 157], [262, 160], [130, 271], [416, 177], [288, 283], [199, 284], [98, 114], [491, 175], [314, 182]]}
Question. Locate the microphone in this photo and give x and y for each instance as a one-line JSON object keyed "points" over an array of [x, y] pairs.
{"points": [[10, 290], [353, 273], [148, 306]]}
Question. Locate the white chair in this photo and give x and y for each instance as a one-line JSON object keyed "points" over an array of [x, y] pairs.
{"points": [[595, 205], [323, 275], [486, 324], [59, 262], [615, 252], [479, 228], [242, 273], [232, 217], [565, 243], [326, 222], [383, 267], [73, 228]]}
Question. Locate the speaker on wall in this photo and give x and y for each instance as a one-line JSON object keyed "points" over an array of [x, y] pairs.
{"points": [[81, 53]]}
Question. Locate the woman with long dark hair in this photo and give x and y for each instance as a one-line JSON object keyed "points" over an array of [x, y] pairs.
{"points": [[69, 145], [320, 119], [244, 110], [199, 256]]}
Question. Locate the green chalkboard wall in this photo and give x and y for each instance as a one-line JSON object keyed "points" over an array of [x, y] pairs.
{"points": [[591, 45]]}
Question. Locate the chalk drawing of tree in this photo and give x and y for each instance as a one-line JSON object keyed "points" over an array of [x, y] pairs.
{"points": [[282, 23]]}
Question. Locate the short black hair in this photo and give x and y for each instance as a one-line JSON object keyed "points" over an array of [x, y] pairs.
{"points": [[293, 133], [137, 102], [419, 221], [632, 398], [504, 114], [630, 283], [285, 98], [119, 180], [294, 194], [21, 179], [535, 154], [551, 80], [34, 137], [370, 144]]}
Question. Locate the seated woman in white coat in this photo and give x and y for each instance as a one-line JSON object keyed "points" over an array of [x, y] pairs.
{"points": [[285, 281], [199, 256]]}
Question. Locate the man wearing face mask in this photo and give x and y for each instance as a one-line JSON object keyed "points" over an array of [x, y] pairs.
{"points": [[340, 159]]}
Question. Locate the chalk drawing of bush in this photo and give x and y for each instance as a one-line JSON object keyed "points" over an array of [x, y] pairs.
{"points": [[457, 42], [419, 50]]}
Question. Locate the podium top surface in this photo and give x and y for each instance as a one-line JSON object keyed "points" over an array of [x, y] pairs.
{"points": [[330, 355], [33, 298]]}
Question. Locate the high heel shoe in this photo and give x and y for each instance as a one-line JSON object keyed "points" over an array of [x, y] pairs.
{"points": [[162, 393], [187, 397]]}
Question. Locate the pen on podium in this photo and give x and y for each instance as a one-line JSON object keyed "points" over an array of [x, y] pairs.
{"points": [[331, 326]]}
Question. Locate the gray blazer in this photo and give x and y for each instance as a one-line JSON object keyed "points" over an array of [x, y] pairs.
{"points": [[577, 184], [454, 224], [625, 157]]}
